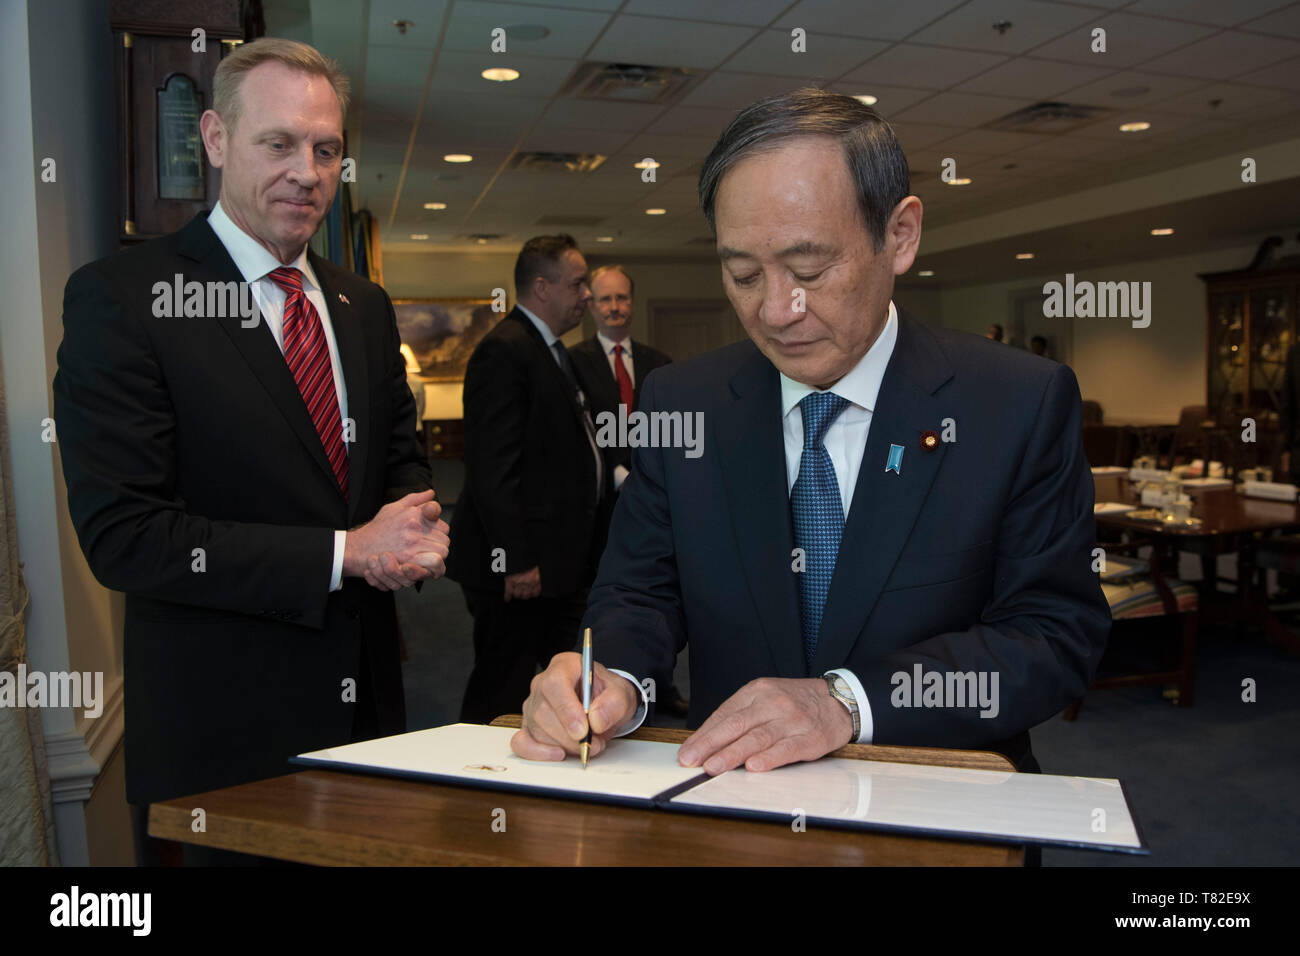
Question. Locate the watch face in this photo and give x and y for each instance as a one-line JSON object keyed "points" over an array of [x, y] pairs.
{"points": [[842, 686]]}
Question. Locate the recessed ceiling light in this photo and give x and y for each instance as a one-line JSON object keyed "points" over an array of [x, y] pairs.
{"points": [[435, 205], [1165, 231], [646, 163], [1134, 127], [655, 212], [959, 182], [481, 241], [926, 272], [866, 99], [419, 235], [500, 74], [1024, 255], [604, 238], [458, 158]]}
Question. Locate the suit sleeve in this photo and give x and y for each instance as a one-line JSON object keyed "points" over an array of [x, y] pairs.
{"points": [[641, 627], [116, 432], [1045, 624], [408, 467], [497, 402]]}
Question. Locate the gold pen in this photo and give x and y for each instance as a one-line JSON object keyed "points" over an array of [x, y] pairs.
{"points": [[587, 675]]}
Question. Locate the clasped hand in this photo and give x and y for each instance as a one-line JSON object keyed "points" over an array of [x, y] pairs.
{"points": [[407, 541]]}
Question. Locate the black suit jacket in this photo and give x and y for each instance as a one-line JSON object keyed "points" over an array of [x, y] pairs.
{"points": [[179, 434], [530, 476], [598, 381], [975, 557]]}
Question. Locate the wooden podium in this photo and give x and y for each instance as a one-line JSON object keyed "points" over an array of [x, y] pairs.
{"points": [[342, 819]]}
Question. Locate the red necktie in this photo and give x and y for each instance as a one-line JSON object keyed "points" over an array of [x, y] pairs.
{"points": [[623, 379], [309, 360]]}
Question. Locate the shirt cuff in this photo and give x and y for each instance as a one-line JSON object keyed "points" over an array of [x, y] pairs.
{"points": [[620, 476], [864, 706], [336, 576], [642, 709]]}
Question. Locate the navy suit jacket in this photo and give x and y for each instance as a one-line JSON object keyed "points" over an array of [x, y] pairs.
{"points": [[976, 557]]}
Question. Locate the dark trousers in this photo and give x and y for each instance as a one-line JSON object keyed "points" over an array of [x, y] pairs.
{"points": [[512, 639], [151, 851]]}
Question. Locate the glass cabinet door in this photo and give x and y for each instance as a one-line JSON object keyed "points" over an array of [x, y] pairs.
{"points": [[1227, 353], [1272, 332]]}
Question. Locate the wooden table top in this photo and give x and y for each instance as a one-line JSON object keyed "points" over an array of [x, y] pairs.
{"points": [[1222, 512], [344, 819]]}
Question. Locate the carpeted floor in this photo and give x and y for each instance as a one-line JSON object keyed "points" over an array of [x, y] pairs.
{"points": [[1214, 784]]}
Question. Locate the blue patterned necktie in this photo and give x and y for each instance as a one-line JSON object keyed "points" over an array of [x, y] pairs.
{"points": [[818, 513]]}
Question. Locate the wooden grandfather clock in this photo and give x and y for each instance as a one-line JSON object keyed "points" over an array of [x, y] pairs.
{"points": [[163, 75]]}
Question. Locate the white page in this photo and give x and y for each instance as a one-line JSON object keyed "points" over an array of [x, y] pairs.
{"points": [[476, 754], [1021, 807]]}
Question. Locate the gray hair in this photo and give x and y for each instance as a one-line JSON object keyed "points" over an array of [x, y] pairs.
{"points": [[874, 156], [296, 56]]}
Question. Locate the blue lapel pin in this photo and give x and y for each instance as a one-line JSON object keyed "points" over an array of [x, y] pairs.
{"points": [[895, 462]]}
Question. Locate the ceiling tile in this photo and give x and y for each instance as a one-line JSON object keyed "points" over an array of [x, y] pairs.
{"points": [[985, 142], [971, 25], [461, 72], [890, 100], [1220, 13], [660, 42], [923, 67], [1282, 23], [962, 109], [390, 66], [1285, 75], [571, 31], [1129, 40], [1041, 79], [422, 34], [889, 21], [1220, 100], [735, 91], [574, 141], [1138, 89], [599, 114], [748, 12], [825, 56], [921, 135], [692, 121], [1224, 55]]}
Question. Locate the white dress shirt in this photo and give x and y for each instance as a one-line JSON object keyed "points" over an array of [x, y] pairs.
{"points": [[606, 343], [255, 263], [845, 442]]}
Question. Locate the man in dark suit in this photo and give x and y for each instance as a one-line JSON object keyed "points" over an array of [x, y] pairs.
{"points": [[611, 366], [228, 465], [888, 535], [524, 535]]}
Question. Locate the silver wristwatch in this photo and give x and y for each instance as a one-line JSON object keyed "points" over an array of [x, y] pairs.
{"points": [[842, 692]]}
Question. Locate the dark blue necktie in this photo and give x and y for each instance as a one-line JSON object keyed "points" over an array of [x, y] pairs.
{"points": [[818, 513]]}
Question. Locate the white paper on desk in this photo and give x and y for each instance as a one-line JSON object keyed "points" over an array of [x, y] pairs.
{"points": [[627, 770], [985, 804]]}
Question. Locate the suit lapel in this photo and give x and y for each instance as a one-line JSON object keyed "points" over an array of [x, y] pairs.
{"points": [[752, 454], [349, 336], [211, 262], [885, 505]]}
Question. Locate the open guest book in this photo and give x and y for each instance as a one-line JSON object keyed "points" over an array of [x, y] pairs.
{"points": [[983, 805]]}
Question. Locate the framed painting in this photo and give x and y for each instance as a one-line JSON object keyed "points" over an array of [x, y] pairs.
{"points": [[441, 333]]}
